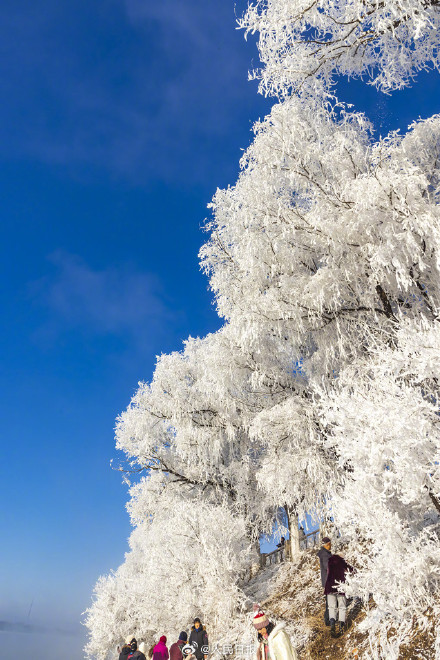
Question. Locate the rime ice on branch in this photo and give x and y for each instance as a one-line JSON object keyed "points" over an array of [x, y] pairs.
{"points": [[304, 44]]}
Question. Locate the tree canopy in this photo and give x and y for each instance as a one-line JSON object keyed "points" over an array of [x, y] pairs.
{"points": [[320, 393]]}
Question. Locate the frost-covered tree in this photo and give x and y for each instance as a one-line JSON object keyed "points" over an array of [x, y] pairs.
{"points": [[184, 559], [326, 232], [329, 242], [324, 241], [304, 45], [382, 418], [188, 432], [320, 393], [189, 425]]}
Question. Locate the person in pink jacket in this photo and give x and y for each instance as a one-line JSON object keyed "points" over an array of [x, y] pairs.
{"points": [[160, 651]]}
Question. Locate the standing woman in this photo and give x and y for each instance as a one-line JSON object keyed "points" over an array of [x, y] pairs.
{"points": [[273, 641], [160, 651]]}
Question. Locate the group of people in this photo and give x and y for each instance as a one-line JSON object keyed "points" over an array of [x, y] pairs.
{"points": [[195, 649], [334, 569], [273, 641]]}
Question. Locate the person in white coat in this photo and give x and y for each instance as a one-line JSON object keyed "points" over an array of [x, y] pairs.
{"points": [[143, 649], [273, 641]]}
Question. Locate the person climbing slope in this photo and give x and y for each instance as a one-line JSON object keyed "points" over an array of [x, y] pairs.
{"points": [[324, 555], [273, 641], [336, 572]]}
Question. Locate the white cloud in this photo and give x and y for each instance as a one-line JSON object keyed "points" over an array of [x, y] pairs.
{"points": [[118, 301]]}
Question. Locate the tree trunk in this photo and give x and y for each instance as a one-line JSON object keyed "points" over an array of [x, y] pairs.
{"points": [[293, 523], [255, 559], [294, 536]]}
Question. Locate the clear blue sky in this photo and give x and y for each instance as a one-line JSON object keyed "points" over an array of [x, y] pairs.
{"points": [[118, 120]]}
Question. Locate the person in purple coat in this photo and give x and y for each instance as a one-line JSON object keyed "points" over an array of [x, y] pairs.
{"points": [[337, 569], [176, 648], [324, 555]]}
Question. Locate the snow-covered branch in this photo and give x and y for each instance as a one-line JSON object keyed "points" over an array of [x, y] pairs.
{"points": [[305, 44]]}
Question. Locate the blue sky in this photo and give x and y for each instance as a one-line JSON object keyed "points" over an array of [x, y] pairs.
{"points": [[118, 121]]}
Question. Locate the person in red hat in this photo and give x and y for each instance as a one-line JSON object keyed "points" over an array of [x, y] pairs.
{"points": [[160, 651], [273, 641]]}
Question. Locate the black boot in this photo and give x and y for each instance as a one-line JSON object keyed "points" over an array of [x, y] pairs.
{"points": [[326, 613], [332, 627], [342, 627]]}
